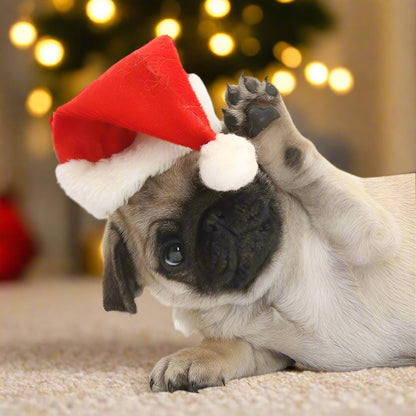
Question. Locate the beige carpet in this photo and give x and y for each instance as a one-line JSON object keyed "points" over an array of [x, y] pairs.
{"points": [[61, 354]]}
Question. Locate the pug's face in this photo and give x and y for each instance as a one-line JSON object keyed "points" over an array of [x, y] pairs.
{"points": [[178, 237]]}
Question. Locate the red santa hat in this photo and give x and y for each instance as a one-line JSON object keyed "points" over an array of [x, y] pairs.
{"points": [[134, 122]]}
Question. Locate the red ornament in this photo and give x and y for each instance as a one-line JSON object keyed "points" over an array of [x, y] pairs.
{"points": [[16, 246]]}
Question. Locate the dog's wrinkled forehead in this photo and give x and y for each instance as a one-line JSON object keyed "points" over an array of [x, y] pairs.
{"points": [[165, 193]]}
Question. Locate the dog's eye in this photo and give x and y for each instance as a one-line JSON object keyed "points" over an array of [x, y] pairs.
{"points": [[172, 255]]}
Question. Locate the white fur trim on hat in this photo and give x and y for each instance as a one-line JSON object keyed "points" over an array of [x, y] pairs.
{"points": [[103, 186], [227, 163], [205, 100]]}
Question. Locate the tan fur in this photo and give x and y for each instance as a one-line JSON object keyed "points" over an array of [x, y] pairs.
{"points": [[339, 293]]}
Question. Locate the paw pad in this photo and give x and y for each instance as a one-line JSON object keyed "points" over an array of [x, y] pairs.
{"points": [[230, 120], [251, 106], [232, 96], [259, 118], [271, 89], [251, 83]]}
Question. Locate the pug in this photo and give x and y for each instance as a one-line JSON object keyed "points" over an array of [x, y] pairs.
{"points": [[307, 264]]}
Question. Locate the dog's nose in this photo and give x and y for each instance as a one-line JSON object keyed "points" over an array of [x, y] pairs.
{"points": [[211, 221], [236, 214]]}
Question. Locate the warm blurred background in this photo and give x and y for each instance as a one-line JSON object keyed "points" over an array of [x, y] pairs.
{"points": [[347, 70]]}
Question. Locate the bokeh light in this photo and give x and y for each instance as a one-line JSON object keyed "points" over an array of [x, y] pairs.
{"points": [[285, 81], [291, 57], [250, 46], [221, 44], [22, 34], [63, 6], [49, 52], [101, 11], [39, 102], [285, 1], [169, 27], [316, 73], [252, 14], [278, 48], [37, 141], [341, 80], [217, 8], [216, 91], [207, 28]]}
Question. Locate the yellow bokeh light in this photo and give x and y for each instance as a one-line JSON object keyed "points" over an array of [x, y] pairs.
{"points": [[278, 48], [250, 46], [63, 6], [39, 102], [316, 73], [285, 1], [221, 44], [217, 93], [22, 34], [38, 143], [49, 51], [341, 80], [101, 11], [217, 8], [291, 57], [100, 249], [207, 28], [285, 81], [169, 27], [252, 14]]}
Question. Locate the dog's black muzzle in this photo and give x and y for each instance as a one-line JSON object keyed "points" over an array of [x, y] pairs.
{"points": [[236, 237]]}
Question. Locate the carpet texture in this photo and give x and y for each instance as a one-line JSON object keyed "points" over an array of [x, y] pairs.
{"points": [[61, 354]]}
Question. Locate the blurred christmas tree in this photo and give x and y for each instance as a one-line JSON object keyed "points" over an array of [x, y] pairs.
{"points": [[75, 41], [214, 37]]}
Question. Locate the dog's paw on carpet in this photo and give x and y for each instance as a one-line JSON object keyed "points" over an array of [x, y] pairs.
{"points": [[190, 369]]}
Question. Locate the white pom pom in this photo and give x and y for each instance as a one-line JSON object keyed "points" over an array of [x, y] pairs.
{"points": [[227, 163]]}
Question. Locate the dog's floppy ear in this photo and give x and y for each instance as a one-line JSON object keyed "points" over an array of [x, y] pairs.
{"points": [[120, 286]]}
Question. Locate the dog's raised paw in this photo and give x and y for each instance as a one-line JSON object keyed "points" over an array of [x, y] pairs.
{"points": [[251, 106], [191, 369]]}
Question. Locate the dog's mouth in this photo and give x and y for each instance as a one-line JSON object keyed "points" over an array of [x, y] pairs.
{"points": [[236, 237]]}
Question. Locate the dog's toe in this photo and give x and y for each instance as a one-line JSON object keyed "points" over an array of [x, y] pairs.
{"points": [[230, 120], [190, 370], [252, 84], [252, 106], [232, 95], [157, 377], [176, 375], [270, 89]]}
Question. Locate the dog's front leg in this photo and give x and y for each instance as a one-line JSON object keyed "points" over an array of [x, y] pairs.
{"points": [[338, 207], [213, 363]]}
